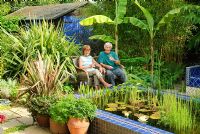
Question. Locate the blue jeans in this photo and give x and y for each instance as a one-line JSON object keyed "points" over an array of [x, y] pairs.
{"points": [[112, 74]]}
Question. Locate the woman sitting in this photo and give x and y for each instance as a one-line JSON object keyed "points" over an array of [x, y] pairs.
{"points": [[87, 63]]}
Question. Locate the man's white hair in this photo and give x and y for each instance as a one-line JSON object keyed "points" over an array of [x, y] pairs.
{"points": [[108, 44]]}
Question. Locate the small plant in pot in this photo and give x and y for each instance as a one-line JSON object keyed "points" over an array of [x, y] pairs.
{"points": [[44, 78], [79, 112], [58, 113], [39, 108]]}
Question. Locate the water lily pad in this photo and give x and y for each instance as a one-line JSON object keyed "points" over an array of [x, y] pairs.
{"points": [[112, 105], [130, 107], [155, 116], [111, 109], [121, 108]]}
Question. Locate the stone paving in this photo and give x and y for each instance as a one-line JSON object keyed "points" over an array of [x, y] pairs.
{"points": [[18, 116]]}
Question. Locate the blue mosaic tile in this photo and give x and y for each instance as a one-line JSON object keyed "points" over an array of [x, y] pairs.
{"points": [[127, 123]]}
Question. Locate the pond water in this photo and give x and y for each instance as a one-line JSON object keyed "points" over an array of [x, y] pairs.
{"points": [[166, 112], [150, 115]]}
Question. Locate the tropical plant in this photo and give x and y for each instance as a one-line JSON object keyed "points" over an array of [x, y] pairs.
{"points": [[150, 26], [120, 11], [42, 37], [44, 76]]}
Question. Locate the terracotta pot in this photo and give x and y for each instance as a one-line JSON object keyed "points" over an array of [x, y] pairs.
{"points": [[42, 120], [58, 128], [77, 126]]}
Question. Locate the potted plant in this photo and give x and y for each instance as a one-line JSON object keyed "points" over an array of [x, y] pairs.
{"points": [[58, 116], [79, 112], [39, 108], [44, 78]]}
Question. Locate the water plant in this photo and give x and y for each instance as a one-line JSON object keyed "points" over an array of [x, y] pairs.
{"points": [[177, 113]]}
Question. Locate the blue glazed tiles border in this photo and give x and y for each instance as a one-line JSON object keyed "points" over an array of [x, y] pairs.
{"points": [[129, 124]]}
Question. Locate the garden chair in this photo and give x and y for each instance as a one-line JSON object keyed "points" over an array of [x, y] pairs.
{"points": [[81, 76], [193, 80]]}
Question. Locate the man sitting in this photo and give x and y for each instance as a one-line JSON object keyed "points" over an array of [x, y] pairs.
{"points": [[109, 60]]}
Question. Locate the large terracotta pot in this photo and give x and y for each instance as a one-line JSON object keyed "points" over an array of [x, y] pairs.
{"points": [[58, 128], [78, 126], [42, 120]]}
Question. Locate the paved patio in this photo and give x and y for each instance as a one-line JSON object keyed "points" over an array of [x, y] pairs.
{"points": [[19, 116]]}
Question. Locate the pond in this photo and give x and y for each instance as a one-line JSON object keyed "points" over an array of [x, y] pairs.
{"points": [[167, 111]]}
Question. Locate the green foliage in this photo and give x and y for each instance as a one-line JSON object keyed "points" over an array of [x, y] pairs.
{"points": [[139, 73], [67, 88], [58, 111], [15, 129], [43, 37], [72, 107], [46, 77], [16, 4], [137, 61], [8, 89], [177, 114], [120, 11], [81, 108], [103, 38], [102, 97], [168, 74], [1, 67], [41, 104], [96, 19], [8, 23], [4, 9]]}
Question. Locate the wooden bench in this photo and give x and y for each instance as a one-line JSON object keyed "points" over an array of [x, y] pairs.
{"points": [[82, 76]]}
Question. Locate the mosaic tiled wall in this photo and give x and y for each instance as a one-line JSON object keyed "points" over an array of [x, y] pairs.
{"points": [[108, 123]]}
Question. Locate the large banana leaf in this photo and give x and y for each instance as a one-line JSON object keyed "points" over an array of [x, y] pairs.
{"points": [[120, 11], [104, 38], [136, 22], [148, 17], [96, 19], [168, 17]]}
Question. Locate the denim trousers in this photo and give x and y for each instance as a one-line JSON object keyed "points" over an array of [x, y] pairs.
{"points": [[118, 73]]}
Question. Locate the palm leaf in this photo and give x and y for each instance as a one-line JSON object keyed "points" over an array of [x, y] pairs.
{"points": [[104, 38], [168, 17], [148, 17], [120, 11], [136, 22], [96, 19]]}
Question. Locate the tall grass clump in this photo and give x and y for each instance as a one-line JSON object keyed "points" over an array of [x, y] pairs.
{"points": [[43, 37], [177, 114]]}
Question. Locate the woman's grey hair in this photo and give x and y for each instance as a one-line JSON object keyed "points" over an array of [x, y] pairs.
{"points": [[108, 44]]}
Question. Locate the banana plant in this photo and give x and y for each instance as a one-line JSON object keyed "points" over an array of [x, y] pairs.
{"points": [[120, 11], [150, 27]]}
